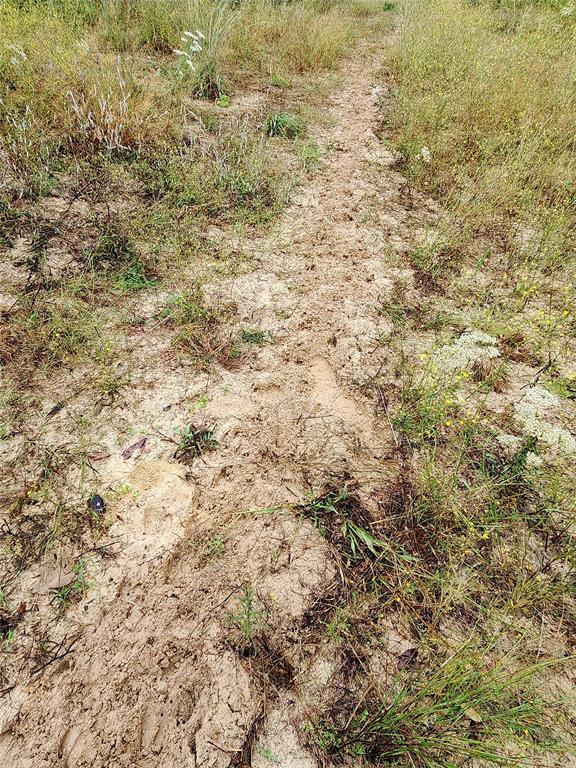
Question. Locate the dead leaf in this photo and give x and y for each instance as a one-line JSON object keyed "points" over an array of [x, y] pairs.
{"points": [[127, 453], [98, 455], [474, 715]]}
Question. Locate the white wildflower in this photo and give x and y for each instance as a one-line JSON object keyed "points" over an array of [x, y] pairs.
{"points": [[533, 461], [567, 10], [191, 46], [510, 443], [425, 154], [469, 347], [531, 412]]}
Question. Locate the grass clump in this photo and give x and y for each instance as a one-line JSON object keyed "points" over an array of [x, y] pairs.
{"points": [[194, 441], [247, 620], [254, 336], [199, 332], [458, 712], [76, 589], [284, 124]]}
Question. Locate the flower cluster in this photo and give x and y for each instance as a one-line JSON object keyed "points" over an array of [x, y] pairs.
{"points": [[191, 46]]}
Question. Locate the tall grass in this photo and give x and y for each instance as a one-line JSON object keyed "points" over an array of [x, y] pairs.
{"points": [[84, 76], [485, 114]]}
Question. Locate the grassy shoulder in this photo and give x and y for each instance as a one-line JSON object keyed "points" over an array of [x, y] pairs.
{"points": [[473, 553]]}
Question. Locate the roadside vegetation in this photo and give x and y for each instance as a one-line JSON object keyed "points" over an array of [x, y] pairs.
{"points": [[478, 567]]}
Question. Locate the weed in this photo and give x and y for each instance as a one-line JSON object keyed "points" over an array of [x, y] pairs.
{"points": [[428, 406], [9, 219], [269, 755], [248, 619], [187, 309], [278, 81], [339, 625], [133, 278], [563, 386], [77, 588], [114, 249], [254, 336], [284, 124], [310, 154], [109, 380], [194, 441], [216, 545], [343, 520]]}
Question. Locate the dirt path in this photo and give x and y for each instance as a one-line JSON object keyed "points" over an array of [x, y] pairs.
{"points": [[154, 678]]}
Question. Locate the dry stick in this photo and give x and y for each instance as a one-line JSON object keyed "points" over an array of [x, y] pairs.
{"points": [[215, 608], [69, 649], [542, 370], [385, 407]]}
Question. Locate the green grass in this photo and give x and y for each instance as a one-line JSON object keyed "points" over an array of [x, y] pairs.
{"points": [[459, 712], [483, 113], [247, 619], [254, 336], [76, 589], [284, 124], [194, 441]]}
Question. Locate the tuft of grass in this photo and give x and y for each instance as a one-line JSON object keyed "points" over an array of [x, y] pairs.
{"points": [[254, 336], [200, 51], [186, 308], [77, 588], [284, 124], [134, 278], [247, 619], [199, 333], [461, 711], [194, 441], [310, 154]]}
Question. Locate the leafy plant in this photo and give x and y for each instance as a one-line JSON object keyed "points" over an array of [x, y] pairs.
{"points": [[248, 618], [195, 441], [254, 336], [134, 278]]}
